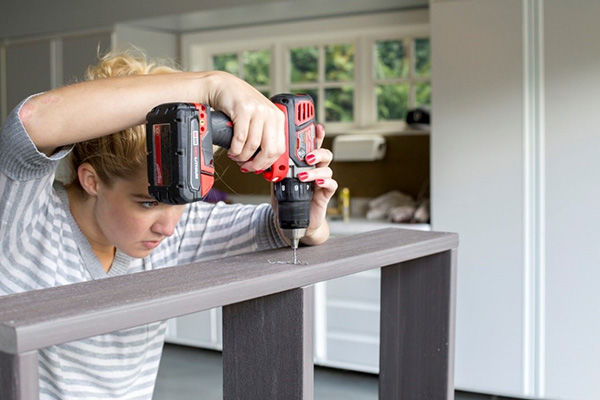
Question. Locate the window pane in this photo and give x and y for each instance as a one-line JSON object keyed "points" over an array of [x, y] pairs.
{"points": [[423, 94], [256, 66], [392, 101], [391, 61], [339, 104], [339, 62], [304, 62], [422, 57], [226, 62], [315, 96]]}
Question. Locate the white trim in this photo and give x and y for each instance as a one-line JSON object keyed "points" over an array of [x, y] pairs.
{"points": [[541, 214], [320, 334], [3, 82], [56, 63], [534, 188], [214, 334]]}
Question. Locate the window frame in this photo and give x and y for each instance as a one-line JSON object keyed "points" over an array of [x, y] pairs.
{"points": [[198, 48]]}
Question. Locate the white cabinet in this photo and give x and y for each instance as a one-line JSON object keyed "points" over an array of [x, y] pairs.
{"points": [[515, 137], [572, 144]]}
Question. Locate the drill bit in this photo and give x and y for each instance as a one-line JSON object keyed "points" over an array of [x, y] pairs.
{"points": [[294, 235]]}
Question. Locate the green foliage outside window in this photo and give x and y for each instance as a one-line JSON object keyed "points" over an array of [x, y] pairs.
{"points": [[339, 63], [423, 94], [339, 104], [391, 59], [226, 62], [304, 63], [422, 57], [256, 67], [392, 101]]}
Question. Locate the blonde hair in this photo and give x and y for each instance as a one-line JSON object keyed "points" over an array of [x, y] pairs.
{"points": [[121, 154]]}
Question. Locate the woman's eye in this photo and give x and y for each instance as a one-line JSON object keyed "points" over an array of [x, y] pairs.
{"points": [[149, 204]]}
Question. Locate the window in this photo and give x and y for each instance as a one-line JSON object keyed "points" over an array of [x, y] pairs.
{"points": [[402, 71], [331, 85], [364, 73]]}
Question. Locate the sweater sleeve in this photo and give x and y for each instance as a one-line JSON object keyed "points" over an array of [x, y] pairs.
{"points": [[208, 231], [26, 176]]}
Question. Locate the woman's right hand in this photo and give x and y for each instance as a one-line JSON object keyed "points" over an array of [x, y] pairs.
{"points": [[257, 122]]}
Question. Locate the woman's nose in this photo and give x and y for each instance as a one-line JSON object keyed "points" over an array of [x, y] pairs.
{"points": [[165, 225]]}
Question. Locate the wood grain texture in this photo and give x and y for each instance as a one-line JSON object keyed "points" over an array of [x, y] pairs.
{"points": [[46, 317], [417, 329], [268, 347]]}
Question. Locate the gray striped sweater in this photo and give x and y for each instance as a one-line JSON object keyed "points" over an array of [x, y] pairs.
{"points": [[41, 246]]}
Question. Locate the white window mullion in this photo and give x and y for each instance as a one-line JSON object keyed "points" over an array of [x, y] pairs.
{"points": [[240, 64], [321, 82], [360, 72], [280, 68]]}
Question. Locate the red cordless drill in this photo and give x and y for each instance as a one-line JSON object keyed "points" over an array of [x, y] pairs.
{"points": [[179, 139]]}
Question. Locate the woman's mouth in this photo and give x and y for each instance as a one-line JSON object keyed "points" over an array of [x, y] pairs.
{"points": [[151, 244]]}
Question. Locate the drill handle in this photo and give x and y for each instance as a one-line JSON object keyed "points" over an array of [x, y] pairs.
{"points": [[221, 129]]}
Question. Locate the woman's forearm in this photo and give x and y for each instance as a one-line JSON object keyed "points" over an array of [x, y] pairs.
{"points": [[95, 108]]}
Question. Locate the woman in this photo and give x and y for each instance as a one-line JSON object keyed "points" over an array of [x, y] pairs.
{"points": [[105, 223]]}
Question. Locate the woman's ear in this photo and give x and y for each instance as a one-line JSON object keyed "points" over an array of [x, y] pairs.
{"points": [[88, 178]]}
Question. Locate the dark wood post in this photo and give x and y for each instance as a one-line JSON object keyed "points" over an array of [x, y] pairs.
{"points": [[19, 376], [417, 329], [268, 347]]}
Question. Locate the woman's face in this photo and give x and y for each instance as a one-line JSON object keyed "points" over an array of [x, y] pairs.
{"points": [[130, 219]]}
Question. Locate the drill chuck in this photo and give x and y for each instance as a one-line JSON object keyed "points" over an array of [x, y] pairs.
{"points": [[293, 199]]}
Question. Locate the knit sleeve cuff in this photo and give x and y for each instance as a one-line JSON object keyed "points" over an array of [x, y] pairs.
{"points": [[19, 157], [268, 236]]}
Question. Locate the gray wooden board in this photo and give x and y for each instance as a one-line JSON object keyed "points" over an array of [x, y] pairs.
{"points": [[41, 318], [19, 376], [268, 347], [417, 329]]}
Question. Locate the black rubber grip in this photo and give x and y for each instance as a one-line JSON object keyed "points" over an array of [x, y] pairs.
{"points": [[221, 128]]}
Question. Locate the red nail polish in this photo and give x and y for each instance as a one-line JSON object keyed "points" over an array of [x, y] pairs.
{"points": [[244, 170], [302, 175], [320, 181], [260, 171], [310, 158]]}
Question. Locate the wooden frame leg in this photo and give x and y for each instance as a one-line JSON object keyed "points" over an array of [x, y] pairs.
{"points": [[19, 378], [268, 347], [417, 329]]}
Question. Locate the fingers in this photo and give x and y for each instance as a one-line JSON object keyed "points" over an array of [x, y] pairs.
{"points": [[263, 131], [272, 144], [314, 174], [320, 135], [319, 157]]}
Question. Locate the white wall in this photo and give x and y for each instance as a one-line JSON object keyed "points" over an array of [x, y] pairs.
{"points": [[515, 167], [572, 136], [477, 180]]}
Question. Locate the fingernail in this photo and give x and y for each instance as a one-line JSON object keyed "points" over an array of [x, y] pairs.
{"points": [[302, 175], [244, 170], [260, 171], [310, 158], [320, 181]]}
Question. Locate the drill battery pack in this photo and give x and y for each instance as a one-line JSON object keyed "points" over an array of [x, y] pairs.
{"points": [[180, 163]]}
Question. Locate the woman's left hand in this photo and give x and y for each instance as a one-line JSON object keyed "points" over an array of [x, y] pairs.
{"points": [[324, 189]]}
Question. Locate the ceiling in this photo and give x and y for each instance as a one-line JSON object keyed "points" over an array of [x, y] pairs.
{"points": [[34, 18]]}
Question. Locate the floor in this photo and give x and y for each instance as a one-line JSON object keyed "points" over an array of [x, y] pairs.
{"points": [[188, 373]]}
